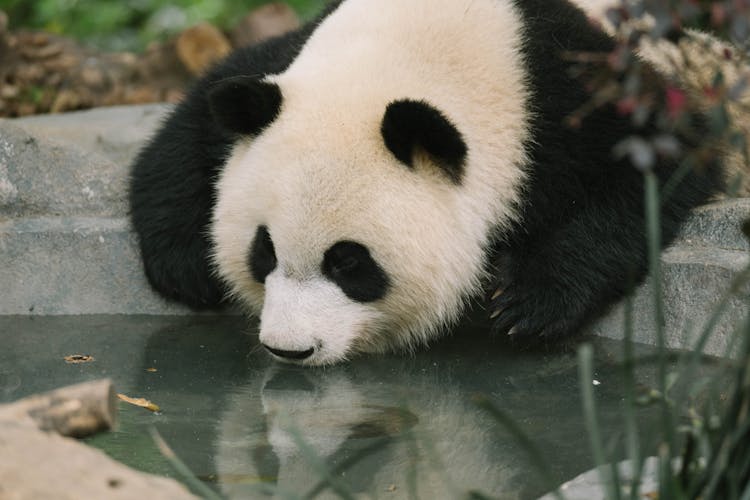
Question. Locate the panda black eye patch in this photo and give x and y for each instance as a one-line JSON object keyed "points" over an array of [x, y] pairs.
{"points": [[349, 265], [262, 256]]}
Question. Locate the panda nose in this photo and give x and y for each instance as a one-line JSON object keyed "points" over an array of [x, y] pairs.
{"points": [[297, 355]]}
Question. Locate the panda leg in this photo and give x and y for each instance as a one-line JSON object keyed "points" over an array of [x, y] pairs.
{"points": [[557, 276], [550, 286]]}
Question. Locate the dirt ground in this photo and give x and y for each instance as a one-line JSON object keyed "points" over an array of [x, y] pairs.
{"points": [[45, 73]]}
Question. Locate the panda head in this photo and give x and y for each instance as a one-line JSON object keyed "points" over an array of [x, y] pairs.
{"points": [[355, 209], [343, 240]]}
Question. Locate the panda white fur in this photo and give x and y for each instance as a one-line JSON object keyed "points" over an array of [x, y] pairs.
{"points": [[337, 414], [359, 182]]}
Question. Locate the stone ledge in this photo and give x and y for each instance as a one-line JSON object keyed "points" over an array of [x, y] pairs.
{"points": [[39, 177], [694, 282], [74, 266], [116, 132], [717, 225]]}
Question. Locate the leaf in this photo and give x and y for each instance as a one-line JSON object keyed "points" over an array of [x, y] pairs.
{"points": [[75, 359], [142, 402]]}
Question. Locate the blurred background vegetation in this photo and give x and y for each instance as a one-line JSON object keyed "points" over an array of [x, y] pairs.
{"points": [[132, 24]]}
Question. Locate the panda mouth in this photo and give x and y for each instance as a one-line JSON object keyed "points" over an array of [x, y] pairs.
{"points": [[290, 355]]}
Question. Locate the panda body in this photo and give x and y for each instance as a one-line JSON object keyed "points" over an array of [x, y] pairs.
{"points": [[357, 183]]}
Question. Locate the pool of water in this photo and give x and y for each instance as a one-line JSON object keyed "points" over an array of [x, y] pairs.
{"points": [[395, 426]]}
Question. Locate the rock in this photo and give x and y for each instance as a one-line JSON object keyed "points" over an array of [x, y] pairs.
{"points": [[116, 133], [79, 410], [42, 177], [74, 265], [267, 21], [591, 486], [717, 225], [65, 242], [695, 280], [201, 46], [46, 465]]}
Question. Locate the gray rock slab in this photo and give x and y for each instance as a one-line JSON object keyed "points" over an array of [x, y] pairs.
{"points": [[696, 281], [594, 485], [42, 177], [717, 225], [46, 465], [74, 265], [116, 132]]}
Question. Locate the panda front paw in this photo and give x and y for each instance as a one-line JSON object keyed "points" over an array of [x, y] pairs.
{"points": [[527, 319], [533, 312]]}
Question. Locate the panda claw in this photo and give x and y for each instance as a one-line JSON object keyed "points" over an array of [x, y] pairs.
{"points": [[504, 321], [497, 293]]}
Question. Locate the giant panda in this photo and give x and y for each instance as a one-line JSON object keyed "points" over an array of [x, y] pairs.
{"points": [[363, 182]]}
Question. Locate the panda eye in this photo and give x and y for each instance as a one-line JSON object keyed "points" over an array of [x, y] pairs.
{"points": [[350, 266], [262, 258]]}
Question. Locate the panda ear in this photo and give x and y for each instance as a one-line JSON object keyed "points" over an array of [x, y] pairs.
{"points": [[243, 104], [408, 125]]}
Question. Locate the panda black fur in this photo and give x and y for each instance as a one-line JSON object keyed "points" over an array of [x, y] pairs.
{"points": [[359, 181], [173, 179]]}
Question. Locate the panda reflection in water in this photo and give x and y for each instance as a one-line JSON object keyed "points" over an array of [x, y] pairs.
{"points": [[358, 182]]}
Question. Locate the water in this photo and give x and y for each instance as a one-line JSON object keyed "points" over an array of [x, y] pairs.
{"points": [[395, 426]]}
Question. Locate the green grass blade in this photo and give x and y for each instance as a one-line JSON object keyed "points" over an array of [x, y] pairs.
{"points": [[692, 359], [536, 455], [607, 472], [653, 232], [346, 464], [179, 466], [318, 464], [632, 441]]}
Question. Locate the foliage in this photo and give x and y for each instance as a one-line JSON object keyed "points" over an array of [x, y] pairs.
{"points": [[621, 79], [709, 457], [130, 24], [725, 18]]}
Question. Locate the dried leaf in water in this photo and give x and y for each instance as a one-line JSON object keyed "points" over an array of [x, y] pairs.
{"points": [[78, 358], [142, 402]]}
